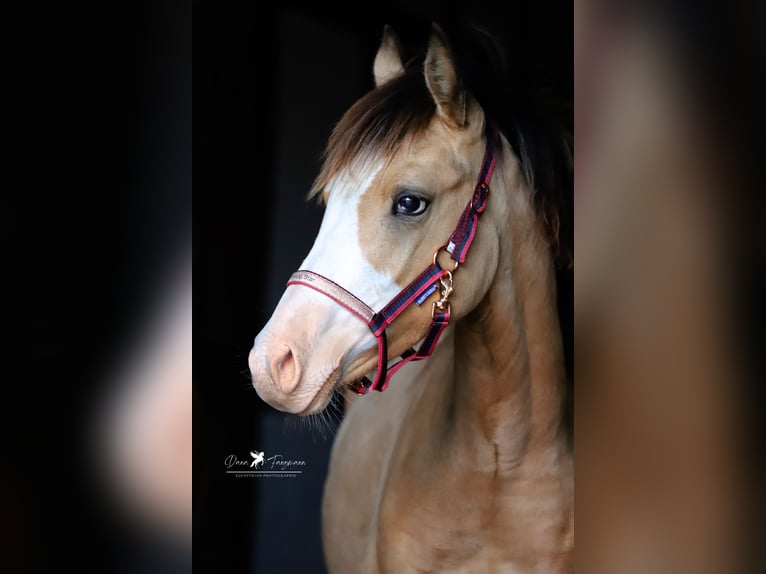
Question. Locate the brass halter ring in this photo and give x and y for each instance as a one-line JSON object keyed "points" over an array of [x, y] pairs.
{"points": [[436, 254]]}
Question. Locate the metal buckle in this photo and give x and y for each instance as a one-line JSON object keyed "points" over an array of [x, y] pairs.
{"points": [[442, 306], [436, 254], [361, 386], [482, 185]]}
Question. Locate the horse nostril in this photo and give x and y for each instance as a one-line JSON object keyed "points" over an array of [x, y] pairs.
{"points": [[284, 370], [286, 366]]}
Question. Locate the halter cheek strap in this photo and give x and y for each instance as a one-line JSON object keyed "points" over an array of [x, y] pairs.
{"points": [[433, 278]]}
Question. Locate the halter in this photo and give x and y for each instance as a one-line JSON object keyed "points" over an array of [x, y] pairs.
{"points": [[431, 279]]}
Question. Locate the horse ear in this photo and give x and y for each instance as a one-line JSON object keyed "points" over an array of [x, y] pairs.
{"points": [[388, 61], [443, 81]]}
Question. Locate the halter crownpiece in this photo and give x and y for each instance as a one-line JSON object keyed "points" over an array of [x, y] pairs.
{"points": [[432, 279]]}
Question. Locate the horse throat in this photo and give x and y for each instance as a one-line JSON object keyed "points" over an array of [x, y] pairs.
{"points": [[509, 372]]}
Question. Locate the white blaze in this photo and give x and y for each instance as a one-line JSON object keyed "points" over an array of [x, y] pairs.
{"points": [[320, 333], [337, 254]]}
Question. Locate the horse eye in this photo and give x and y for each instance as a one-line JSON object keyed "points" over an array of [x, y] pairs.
{"points": [[410, 205]]}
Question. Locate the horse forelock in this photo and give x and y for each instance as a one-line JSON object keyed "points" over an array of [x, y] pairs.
{"points": [[400, 110], [375, 127]]}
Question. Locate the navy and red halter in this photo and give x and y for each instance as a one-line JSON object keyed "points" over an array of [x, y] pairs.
{"points": [[431, 279]]}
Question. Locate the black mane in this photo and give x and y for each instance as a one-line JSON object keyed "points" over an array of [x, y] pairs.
{"points": [[537, 123]]}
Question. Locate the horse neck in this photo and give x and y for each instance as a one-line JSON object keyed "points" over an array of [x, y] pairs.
{"points": [[508, 358]]}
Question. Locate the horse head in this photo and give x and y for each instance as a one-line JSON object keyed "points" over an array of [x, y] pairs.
{"points": [[400, 168]]}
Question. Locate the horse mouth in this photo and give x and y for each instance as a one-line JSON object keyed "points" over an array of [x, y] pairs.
{"points": [[320, 400], [359, 373], [345, 377]]}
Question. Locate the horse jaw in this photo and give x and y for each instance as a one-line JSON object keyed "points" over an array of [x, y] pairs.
{"points": [[311, 344]]}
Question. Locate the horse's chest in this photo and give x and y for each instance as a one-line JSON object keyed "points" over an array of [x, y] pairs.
{"points": [[435, 516], [394, 503]]}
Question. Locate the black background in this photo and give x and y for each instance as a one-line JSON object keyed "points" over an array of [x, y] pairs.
{"points": [[96, 217]]}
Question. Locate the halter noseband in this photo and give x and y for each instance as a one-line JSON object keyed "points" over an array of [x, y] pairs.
{"points": [[431, 279]]}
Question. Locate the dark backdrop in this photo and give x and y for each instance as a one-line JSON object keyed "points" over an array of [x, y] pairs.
{"points": [[95, 217], [270, 82]]}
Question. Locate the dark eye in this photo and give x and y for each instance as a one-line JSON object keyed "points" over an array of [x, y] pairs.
{"points": [[409, 204]]}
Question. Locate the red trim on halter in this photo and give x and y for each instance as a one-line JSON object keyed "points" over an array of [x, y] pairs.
{"points": [[438, 324], [462, 237], [329, 288], [459, 242], [405, 297]]}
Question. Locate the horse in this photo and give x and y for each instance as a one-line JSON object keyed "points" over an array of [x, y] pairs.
{"points": [[462, 463]]}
